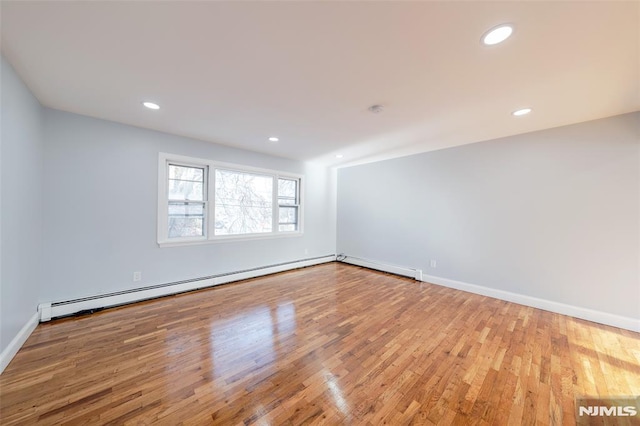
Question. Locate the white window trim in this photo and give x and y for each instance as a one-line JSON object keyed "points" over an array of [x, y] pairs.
{"points": [[210, 166]]}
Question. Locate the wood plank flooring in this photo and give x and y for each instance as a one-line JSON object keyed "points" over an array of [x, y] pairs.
{"points": [[332, 344]]}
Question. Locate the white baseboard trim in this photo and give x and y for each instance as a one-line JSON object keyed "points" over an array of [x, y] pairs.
{"points": [[600, 317], [65, 308], [384, 267], [14, 346]]}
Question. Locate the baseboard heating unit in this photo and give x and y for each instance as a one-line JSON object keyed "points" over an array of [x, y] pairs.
{"points": [[47, 311], [380, 266]]}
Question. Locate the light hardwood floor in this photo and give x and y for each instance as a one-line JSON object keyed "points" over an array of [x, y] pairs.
{"points": [[332, 344]]}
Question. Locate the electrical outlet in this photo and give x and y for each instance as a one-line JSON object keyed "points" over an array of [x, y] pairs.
{"points": [[433, 263], [306, 251], [137, 276]]}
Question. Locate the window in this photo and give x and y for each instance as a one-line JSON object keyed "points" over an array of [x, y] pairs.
{"points": [[205, 201], [288, 204], [187, 201]]}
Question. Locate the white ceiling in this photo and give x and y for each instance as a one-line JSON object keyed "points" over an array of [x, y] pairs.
{"points": [[236, 73]]}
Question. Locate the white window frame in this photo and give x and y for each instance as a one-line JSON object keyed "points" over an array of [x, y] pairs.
{"points": [[209, 221]]}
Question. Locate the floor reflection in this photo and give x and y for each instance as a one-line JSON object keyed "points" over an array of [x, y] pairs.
{"points": [[336, 392], [251, 337]]}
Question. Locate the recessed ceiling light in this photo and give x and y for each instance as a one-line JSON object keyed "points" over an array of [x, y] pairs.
{"points": [[151, 105], [339, 155], [523, 111], [273, 139], [497, 34]]}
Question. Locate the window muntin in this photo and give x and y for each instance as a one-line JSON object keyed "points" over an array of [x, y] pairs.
{"points": [[205, 201]]}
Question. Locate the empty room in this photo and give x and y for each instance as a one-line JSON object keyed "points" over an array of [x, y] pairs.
{"points": [[320, 212]]}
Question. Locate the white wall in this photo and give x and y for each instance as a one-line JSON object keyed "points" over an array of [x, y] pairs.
{"points": [[553, 214], [101, 200], [21, 182]]}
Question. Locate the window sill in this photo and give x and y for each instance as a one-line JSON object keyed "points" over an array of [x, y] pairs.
{"points": [[229, 239]]}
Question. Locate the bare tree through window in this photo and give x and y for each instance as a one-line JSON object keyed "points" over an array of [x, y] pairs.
{"points": [[244, 203]]}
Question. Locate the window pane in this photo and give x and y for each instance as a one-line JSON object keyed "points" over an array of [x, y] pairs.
{"points": [[243, 220], [186, 220], [185, 190], [287, 227], [288, 215], [287, 191], [186, 183], [243, 203], [186, 173], [287, 187]]}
